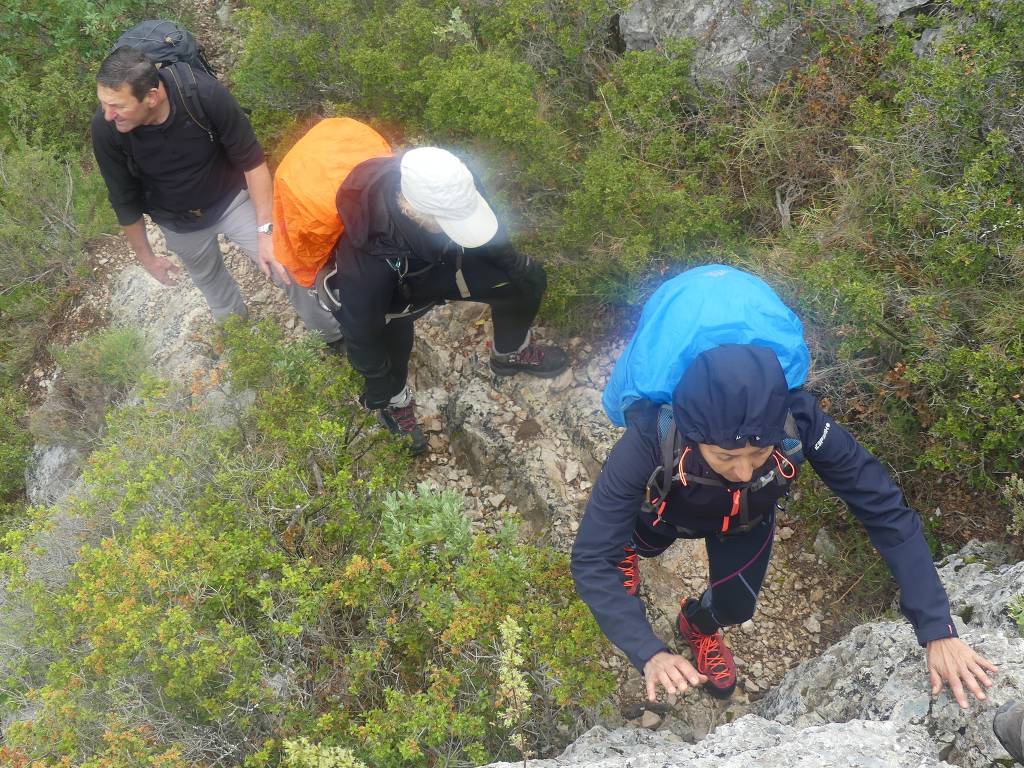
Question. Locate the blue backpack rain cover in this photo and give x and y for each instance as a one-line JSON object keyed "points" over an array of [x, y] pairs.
{"points": [[696, 311]]}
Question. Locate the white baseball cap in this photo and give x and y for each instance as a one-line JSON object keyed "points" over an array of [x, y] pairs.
{"points": [[437, 183]]}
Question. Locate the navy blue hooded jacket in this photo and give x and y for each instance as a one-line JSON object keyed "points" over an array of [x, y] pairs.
{"points": [[729, 396]]}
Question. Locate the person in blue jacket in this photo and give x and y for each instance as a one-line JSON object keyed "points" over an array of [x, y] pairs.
{"points": [[742, 436]]}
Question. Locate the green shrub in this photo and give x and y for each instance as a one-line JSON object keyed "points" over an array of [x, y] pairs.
{"points": [[94, 373], [264, 594], [965, 88], [626, 219], [642, 201], [15, 446], [491, 98], [847, 299], [290, 60], [565, 41], [978, 425], [121, 748], [1017, 612], [980, 221], [392, 62], [48, 209], [300, 753]]}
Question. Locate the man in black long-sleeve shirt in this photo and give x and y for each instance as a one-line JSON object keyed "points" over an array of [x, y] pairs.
{"points": [[197, 177]]}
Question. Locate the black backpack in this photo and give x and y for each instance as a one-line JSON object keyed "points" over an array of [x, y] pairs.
{"points": [[788, 457], [173, 49]]}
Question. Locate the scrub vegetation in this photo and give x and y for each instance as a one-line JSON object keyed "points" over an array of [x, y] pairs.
{"points": [[259, 592]]}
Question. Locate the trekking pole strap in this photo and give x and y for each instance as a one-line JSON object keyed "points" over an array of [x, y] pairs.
{"points": [[460, 279]]}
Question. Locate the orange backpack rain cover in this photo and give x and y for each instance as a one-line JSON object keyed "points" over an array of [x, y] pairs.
{"points": [[306, 220]]}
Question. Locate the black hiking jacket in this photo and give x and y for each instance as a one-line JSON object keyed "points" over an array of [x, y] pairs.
{"points": [[732, 402], [376, 233]]}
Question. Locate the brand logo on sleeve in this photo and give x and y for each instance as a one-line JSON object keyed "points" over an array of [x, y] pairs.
{"points": [[824, 434]]}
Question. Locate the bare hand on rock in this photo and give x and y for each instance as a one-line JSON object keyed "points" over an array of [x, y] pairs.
{"points": [[953, 662], [672, 672], [163, 270]]}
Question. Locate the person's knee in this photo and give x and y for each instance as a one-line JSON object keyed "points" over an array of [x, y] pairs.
{"points": [[649, 545], [534, 281]]}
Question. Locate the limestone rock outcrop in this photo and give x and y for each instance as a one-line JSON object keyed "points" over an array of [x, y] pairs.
{"points": [[730, 34], [752, 740]]}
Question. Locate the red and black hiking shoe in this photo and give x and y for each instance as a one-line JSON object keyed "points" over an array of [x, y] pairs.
{"points": [[630, 567], [402, 422], [545, 362], [711, 656]]}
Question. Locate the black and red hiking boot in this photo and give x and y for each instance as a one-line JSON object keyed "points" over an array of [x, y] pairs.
{"points": [[402, 422], [630, 567], [711, 656], [337, 347], [535, 360], [1008, 725]]}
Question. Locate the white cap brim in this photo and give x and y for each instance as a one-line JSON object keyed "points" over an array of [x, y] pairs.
{"points": [[474, 230]]}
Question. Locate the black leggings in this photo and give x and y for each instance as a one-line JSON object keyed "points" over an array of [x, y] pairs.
{"points": [[737, 566]]}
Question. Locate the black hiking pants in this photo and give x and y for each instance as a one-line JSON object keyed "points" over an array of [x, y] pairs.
{"points": [[513, 299], [737, 565]]}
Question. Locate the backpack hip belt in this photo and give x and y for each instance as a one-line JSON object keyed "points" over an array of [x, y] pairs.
{"points": [[329, 297]]}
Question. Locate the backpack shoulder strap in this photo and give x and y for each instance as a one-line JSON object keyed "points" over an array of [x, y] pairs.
{"points": [[668, 435], [792, 446], [125, 145], [188, 92], [669, 440], [672, 455]]}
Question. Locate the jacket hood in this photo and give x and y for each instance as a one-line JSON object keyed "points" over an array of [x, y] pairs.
{"points": [[363, 199], [732, 395]]}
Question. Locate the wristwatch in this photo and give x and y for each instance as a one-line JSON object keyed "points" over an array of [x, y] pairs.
{"points": [[265, 229]]}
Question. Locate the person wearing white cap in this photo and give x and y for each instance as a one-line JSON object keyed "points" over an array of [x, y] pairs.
{"points": [[419, 233]]}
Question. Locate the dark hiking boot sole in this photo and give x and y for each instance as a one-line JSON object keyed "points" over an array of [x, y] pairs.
{"points": [[498, 370]]}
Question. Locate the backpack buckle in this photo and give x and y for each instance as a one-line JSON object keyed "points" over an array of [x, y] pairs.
{"points": [[327, 297]]}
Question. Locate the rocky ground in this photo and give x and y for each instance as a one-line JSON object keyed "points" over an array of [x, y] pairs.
{"points": [[519, 448], [863, 702]]}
